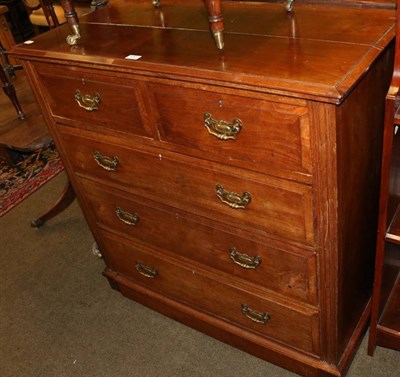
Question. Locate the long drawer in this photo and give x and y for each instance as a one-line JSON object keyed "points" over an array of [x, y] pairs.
{"points": [[294, 326], [228, 128], [93, 101], [275, 207], [288, 273]]}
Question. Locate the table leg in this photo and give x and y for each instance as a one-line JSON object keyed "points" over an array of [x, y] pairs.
{"points": [[216, 21], [73, 21], [63, 202], [9, 90]]}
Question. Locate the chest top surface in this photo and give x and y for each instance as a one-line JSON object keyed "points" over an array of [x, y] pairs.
{"points": [[317, 52]]}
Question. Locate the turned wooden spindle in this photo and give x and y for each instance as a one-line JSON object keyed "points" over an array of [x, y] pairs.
{"points": [[216, 21], [214, 18], [9, 90]]}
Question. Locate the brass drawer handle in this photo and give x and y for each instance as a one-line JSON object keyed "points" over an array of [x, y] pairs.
{"points": [[107, 163], [126, 217], [244, 260], [255, 315], [232, 199], [146, 271], [221, 128], [86, 101]]}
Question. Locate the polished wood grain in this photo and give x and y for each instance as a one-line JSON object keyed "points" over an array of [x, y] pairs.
{"points": [[216, 21], [310, 66], [307, 22], [192, 187], [249, 341], [288, 272], [193, 286], [272, 135], [360, 134], [119, 106], [312, 100]]}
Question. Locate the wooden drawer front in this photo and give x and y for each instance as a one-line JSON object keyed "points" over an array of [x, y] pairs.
{"points": [[297, 327], [287, 273], [272, 135], [277, 207], [119, 107]]}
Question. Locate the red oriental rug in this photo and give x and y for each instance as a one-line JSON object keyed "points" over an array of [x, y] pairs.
{"points": [[28, 173]]}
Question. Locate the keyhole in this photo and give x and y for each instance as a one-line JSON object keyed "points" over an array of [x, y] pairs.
{"points": [[220, 103]]}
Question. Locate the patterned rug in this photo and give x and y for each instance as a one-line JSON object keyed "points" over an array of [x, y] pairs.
{"points": [[28, 173]]}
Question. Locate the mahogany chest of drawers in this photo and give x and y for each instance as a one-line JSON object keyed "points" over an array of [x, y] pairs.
{"points": [[234, 191]]}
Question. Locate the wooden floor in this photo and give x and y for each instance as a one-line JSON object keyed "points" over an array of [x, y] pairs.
{"points": [[28, 134]]}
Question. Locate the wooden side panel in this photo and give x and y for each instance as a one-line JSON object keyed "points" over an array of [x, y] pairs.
{"points": [[323, 141], [359, 133]]}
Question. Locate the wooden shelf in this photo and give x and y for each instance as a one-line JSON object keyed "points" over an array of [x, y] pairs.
{"points": [[393, 230], [388, 330], [388, 325], [385, 312], [391, 313], [393, 233]]}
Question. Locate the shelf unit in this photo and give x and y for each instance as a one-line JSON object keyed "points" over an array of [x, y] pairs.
{"points": [[385, 316]]}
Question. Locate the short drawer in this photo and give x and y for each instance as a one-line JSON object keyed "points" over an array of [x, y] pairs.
{"points": [[296, 326], [261, 135], [93, 101], [273, 206], [288, 273]]}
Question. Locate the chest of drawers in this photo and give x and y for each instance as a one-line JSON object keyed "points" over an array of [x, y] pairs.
{"points": [[234, 191]]}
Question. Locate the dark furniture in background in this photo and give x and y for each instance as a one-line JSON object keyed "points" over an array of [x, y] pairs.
{"points": [[45, 14], [21, 28], [7, 68], [6, 37], [29, 132]]}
